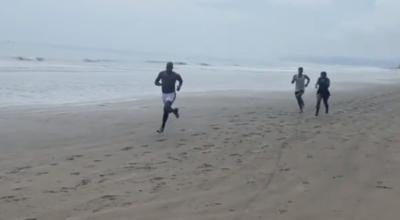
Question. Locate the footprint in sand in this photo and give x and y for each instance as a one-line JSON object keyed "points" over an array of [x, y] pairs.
{"points": [[41, 173], [161, 140], [12, 198], [146, 152], [208, 146], [65, 189], [265, 146], [380, 185], [215, 126], [103, 202], [19, 169], [213, 204], [159, 183], [197, 148], [155, 179], [183, 154], [384, 187], [282, 211], [254, 119], [50, 191], [180, 144], [205, 167], [136, 166], [73, 157], [284, 169], [127, 148], [158, 187], [174, 158], [83, 182], [195, 134]]}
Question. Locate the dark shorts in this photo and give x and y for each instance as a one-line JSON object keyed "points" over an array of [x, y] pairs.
{"points": [[324, 93]]}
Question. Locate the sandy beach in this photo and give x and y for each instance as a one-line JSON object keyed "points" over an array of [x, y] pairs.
{"points": [[230, 156]]}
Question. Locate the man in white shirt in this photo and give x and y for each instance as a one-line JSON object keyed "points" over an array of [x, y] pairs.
{"points": [[300, 80]]}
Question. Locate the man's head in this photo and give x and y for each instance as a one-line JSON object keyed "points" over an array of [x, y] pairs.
{"points": [[170, 66], [300, 70], [323, 74]]}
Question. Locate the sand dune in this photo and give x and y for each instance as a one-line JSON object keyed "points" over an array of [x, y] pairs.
{"points": [[228, 157]]}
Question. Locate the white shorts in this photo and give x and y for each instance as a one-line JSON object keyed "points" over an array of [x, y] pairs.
{"points": [[168, 97]]}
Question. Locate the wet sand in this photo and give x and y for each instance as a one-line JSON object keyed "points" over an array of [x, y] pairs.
{"points": [[247, 156]]}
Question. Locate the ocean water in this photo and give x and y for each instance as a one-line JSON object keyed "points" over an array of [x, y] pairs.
{"points": [[36, 81]]}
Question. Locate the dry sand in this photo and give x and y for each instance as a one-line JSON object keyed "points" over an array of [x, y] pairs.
{"points": [[246, 157]]}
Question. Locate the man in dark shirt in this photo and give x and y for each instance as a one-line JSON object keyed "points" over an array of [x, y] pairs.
{"points": [[323, 93], [168, 80]]}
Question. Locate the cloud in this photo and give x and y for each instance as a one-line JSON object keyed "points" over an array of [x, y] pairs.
{"points": [[224, 28]]}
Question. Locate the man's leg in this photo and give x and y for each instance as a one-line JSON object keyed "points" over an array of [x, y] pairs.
{"points": [[300, 101], [168, 107], [326, 105], [164, 121], [167, 110], [318, 104], [176, 112]]}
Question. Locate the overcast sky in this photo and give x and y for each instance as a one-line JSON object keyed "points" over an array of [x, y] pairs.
{"points": [[221, 28]]}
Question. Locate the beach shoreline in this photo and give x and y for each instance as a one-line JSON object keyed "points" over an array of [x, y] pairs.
{"points": [[343, 87]]}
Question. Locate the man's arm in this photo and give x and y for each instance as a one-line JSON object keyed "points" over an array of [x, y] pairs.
{"points": [[329, 83], [308, 80], [294, 79], [157, 81], [180, 82]]}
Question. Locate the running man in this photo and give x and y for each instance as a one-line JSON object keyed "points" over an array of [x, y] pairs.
{"points": [[323, 93], [168, 80], [301, 84]]}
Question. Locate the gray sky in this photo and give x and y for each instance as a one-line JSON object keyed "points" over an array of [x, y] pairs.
{"points": [[220, 28]]}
